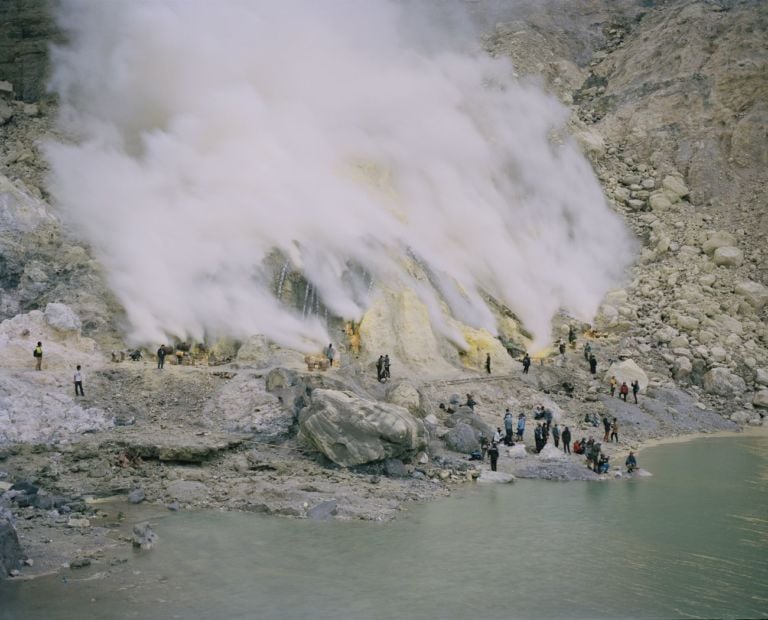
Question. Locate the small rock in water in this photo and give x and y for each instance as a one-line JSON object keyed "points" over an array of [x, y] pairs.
{"points": [[324, 511], [143, 536], [495, 476]]}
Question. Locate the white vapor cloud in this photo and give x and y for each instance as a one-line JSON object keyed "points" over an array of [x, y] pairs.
{"points": [[209, 134]]}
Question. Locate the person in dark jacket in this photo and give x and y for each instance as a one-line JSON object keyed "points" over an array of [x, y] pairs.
{"points": [[592, 364], [509, 427], [566, 437], [635, 389], [520, 426], [488, 363], [556, 435], [631, 462], [161, 356], [607, 427], [493, 452], [526, 363], [537, 434]]}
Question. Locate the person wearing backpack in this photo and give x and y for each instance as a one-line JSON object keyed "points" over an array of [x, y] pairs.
{"points": [[38, 355]]}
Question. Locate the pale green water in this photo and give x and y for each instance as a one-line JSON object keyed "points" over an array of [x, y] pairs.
{"points": [[689, 542]]}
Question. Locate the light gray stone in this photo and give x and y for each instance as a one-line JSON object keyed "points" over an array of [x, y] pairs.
{"points": [[761, 399], [723, 382], [324, 511], [351, 431], [754, 293], [462, 438], [728, 257], [718, 239], [143, 536], [62, 317]]}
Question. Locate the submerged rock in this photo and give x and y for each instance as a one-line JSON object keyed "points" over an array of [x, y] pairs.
{"points": [[11, 555], [495, 476], [144, 536], [351, 431]]}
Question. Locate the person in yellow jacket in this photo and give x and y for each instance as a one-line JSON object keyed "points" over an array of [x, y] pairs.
{"points": [[38, 355]]}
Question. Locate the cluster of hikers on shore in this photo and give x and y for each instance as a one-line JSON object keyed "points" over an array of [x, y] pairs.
{"points": [[514, 431]]}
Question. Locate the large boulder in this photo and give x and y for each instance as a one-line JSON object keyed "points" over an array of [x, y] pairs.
{"points": [[718, 239], [11, 555], [406, 395], [351, 431], [627, 370], [728, 257], [755, 294], [761, 399], [462, 438], [723, 382], [62, 317]]}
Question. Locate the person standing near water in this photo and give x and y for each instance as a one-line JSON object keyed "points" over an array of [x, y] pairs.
{"points": [[520, 426], [556, 435], [493, 452], [509, 425], [566, 436], [607, 427], [38, 355]]}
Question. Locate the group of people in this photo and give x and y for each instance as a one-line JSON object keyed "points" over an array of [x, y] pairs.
{"points": [[382, 368], [624, 388]]}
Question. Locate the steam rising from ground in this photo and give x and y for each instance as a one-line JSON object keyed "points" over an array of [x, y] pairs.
{"points": [[339, 133]]}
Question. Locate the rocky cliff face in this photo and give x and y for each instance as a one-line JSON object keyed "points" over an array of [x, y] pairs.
{"points": [[26, 30]]}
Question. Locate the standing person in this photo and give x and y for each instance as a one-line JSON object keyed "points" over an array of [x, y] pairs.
{"points": [[635, 389], [607, 427], [78, 381], [484, 445], [386, 367], [509, 425], [623, 391], [488, 363], [537, 435], [566, 440], [572, 336], [587, 351], [592, 364], [330, 353], [561, 347], [615, 430], [493, 452], [613, 385], [556, 435], [526, 363], [520, 426], [380, 368], [38, 355], [161, 356]]}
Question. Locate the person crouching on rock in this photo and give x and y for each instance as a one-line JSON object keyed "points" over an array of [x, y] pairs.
{"points": [[631, 462], [493, 452]]}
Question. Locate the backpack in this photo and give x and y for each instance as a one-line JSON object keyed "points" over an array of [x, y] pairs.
{"points": [[38, 352]]}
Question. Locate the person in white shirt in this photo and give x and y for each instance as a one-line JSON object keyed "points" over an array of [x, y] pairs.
{"points": [[79, 381]]}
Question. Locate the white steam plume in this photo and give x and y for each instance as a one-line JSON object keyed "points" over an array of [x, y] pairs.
{"points": [[211, 133]]}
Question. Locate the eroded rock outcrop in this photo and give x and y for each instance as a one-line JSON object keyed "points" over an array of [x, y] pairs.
{"points": [[351, 431]]}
